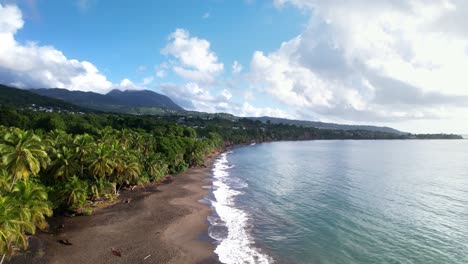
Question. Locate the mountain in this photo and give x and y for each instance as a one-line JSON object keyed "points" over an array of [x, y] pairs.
{"points": [[142, 102], [19, 98], [326, 125], [131, 102]]}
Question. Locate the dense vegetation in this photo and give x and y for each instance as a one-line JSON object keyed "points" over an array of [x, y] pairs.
{"points": [[45, 170]]}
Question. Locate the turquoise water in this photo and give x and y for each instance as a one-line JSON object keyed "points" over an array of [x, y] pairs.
{"points": [[342, 202]]}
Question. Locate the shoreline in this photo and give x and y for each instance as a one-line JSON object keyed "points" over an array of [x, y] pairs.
{"points": [[156, 223]]}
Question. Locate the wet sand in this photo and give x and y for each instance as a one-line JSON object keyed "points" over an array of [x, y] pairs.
{"points": [[160, 223]]}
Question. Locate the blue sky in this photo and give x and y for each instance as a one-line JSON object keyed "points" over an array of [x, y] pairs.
{"points": [[394, 63], [121, 36]]}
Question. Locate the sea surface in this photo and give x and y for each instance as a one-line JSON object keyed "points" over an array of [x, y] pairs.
{"points": [[342, 202]]}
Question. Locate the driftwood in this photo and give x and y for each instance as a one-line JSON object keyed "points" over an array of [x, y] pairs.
{"points": [[65, 242], [116, 252]]}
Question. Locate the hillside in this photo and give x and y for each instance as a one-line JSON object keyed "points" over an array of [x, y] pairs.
{"points": [[131, 102], [143, 102], [323, 125], [18, 98]]}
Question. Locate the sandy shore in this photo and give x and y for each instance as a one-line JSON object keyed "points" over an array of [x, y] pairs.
{"points": [[160, 224]]}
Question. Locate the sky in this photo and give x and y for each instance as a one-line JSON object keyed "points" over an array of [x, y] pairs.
{"points": [[398, 63]]}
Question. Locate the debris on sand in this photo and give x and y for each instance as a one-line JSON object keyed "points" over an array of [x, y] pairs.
{"points": [[116, 252]]}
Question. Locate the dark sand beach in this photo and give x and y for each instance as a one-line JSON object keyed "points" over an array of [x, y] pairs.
{"points": [[158, 223]]}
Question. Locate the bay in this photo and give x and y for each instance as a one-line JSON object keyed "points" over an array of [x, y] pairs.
{"points": [[395, 201]]}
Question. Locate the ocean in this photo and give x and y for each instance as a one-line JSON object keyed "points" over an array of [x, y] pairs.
{"points": [[343, 201]]}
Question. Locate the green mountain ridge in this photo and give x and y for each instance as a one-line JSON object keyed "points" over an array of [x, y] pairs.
{"points": [[129, 101], [19, 98], [324, 125]]}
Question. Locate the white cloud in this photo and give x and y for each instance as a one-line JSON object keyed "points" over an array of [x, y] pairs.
{"points": [[250, 111], [190, 96], [147, 80], [206, 15], [160, 73], [11, 19], [33, 66], [371, 60], [193, 97], [226, 94], [195, 60], [236, 67]]}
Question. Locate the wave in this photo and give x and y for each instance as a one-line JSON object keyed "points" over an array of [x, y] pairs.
{"points": [[228, 224]]}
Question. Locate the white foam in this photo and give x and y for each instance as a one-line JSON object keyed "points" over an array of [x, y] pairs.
{"points": [[238, 247]]}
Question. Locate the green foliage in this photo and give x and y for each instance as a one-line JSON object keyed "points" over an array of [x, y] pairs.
{"points": [[73, 192], [23, 207], [23, 154], [100, 187]]}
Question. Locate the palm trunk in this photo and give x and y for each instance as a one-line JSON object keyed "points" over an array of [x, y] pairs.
{"points": [[15, 178]]}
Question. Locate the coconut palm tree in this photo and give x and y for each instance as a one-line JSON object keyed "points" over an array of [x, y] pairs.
{"points": [[34, 203], [83, 145], [155, 166], [12, 228], [101, 161], [23, 154], [131, 171], [75, 192], [64, 163], [101, 186], [5, 181]]}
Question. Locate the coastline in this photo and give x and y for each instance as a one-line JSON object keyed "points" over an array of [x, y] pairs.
{"points": [[157, 223]]}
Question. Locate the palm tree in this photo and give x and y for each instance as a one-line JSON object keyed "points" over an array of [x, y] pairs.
{"points": [[83, 144], [130, 172], [101, 186], [23, 154], [155, 166], [34, 203], [101, 163], [12, 227], [5, 180], [75, 191], [64, 163]]}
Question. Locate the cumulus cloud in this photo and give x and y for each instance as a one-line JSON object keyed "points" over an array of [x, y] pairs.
{"points": [[147, 80], [160, 73], [192, 59], [371, 60], [31, 65], [249, 110], [195, 60], [190, 96], [236, 67]]}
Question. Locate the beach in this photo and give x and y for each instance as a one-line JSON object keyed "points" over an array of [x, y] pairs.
{"points": [[158, 223]]}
